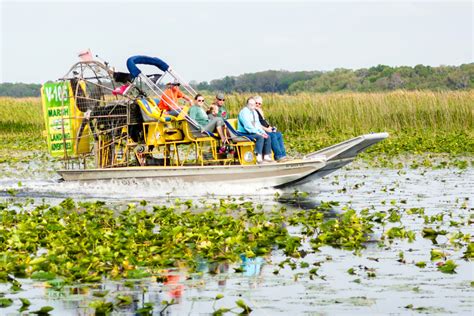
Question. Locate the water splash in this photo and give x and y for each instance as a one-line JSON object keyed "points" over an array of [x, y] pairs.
{"points": [[128, 189]]}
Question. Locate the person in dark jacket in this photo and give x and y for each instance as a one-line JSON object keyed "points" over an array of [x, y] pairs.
{"points": [[278, 146], [249, 125]]}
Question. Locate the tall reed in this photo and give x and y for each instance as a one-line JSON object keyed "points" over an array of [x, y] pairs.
{"points": [[20, 115], [365, 112], [417, 120]]}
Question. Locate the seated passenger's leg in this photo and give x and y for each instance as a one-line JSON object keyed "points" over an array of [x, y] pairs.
{"points": [[267, 148], [259, 142], [211, 126], [276, 145], [282, 144], [216, 125]]}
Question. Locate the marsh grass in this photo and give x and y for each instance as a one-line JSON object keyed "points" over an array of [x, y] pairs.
{"points": [[365, 112], [418, 121], [20, 115], [21, 125]]}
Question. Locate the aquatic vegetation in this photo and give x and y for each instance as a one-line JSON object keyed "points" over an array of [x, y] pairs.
{"points": [[421, 264], [437, 254], [76, 242], [432, 234], [469, 253], [5, 302], [239, 304], [400, 232], [447, 267], [85, 241], [427, 310], [349, 231], [102, 307]]}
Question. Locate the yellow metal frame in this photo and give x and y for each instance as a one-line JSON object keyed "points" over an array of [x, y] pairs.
{"points": [[242, 147], [199, 143], [155, 134], [123, 144]]}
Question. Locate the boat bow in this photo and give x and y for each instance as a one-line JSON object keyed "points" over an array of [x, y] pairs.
{"points": [[339, 155]]}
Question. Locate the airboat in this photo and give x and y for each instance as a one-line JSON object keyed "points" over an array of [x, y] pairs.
{"points": [[105, 124]]}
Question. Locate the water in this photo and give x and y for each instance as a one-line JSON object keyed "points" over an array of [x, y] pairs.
{"points": [[399, 287]]}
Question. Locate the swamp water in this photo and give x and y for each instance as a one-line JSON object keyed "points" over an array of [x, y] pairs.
{"points": [[382, 278]]}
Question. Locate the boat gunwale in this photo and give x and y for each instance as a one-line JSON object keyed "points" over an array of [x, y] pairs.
{"points": [[287, 164]]}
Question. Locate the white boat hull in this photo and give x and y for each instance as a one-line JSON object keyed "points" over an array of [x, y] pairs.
{"points": [[271, 174], [294, 172]]}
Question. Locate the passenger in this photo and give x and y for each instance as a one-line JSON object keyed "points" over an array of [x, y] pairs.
{"points": [[169, 99], [249, 125], [197, 113], [278, 145], [219, 102], [212, 111]]}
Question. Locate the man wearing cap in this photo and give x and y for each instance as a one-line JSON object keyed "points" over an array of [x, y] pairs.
{"points": [[222, 112], [170, 97]]}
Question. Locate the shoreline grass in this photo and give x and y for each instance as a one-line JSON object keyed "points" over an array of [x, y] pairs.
{"points": [[418, 121]]}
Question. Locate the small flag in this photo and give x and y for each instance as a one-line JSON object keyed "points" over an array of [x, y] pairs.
{"points": [[85, 55], [121, 90]]}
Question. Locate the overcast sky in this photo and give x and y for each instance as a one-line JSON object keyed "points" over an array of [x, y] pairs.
{"points": [[209, 40]]}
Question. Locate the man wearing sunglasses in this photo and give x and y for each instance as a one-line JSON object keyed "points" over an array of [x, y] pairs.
{"points": [[220, 104]]}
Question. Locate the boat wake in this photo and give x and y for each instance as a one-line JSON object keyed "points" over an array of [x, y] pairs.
{"points": [[127, 189]]}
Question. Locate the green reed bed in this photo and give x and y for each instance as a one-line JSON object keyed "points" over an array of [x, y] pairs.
{"points": [[21, 124], [20, 115], [439, 122], [362, 112], [418, 122]]}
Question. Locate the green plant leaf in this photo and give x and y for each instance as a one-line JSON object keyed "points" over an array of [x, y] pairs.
{"points": [[447, 267], [5, 302]]}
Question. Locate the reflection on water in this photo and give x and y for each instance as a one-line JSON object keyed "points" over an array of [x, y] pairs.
{"points": [[166, 292], [264, 285], [251, 266], [173, 285], [298, 200]]}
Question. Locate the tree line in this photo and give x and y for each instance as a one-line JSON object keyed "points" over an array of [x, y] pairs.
{"points": [[378, 78], [20, 90]]}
